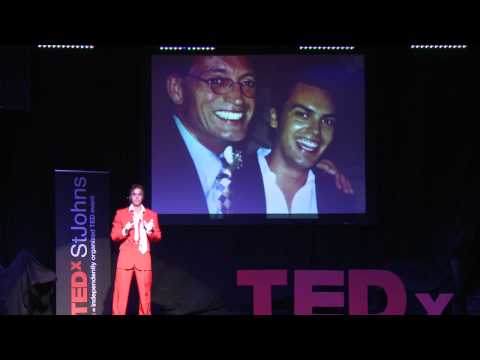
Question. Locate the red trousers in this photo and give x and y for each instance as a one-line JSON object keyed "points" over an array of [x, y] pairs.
{"points": [[123, 280]]}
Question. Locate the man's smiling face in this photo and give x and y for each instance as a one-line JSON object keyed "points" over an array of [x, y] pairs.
{"points": [[306, 125], [215, 112]]}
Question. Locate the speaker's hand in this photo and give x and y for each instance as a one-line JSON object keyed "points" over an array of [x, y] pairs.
{"points": [[127, 228], [148, 226], [341, 181]]}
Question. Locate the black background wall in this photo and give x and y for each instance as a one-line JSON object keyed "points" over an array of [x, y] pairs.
{"points": [[423, 174]]}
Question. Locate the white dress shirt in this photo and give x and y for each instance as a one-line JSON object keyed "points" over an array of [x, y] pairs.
{"points": [[139, 228], [304, 201], [207, 164]]}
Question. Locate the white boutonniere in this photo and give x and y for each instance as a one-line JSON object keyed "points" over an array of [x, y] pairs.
{"points": [[233, 158]]}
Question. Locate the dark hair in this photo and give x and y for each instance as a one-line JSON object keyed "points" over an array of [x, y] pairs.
{"points": [[330, 73], [133, 187], [136, 186], [180, 65], [329, 76]]}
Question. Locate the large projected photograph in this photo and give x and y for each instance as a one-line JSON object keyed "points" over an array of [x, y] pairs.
{"points": [[271, 135]]}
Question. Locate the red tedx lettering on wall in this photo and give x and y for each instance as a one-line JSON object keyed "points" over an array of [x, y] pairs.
{"points": [[79, 283], [305, 299]]}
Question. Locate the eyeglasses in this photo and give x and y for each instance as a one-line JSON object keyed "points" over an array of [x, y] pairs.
{"points": [[221, 86]]}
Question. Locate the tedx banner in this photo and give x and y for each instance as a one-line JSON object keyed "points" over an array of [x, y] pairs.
{"points": [[83, 255]]}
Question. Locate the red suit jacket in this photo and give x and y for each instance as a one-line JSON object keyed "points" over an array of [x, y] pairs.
{"points": [[130, 256]]}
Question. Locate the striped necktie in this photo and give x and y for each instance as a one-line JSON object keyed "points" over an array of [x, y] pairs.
{"points": [[223, 181]]}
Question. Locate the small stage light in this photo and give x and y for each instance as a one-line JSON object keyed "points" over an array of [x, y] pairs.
{"points": [[65, 46], [438, 46], [186, 48], [303, 47]]}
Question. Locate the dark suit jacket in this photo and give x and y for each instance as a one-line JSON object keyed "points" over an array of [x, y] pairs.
{"points": [[179, 190], [247, 193], [331, 200]]}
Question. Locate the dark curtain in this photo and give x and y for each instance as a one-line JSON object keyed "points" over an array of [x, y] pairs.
{"points": [[27, 287]]}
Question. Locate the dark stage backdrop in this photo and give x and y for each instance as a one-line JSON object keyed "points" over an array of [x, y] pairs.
{"points": [[90, 111], [15, 65]]}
